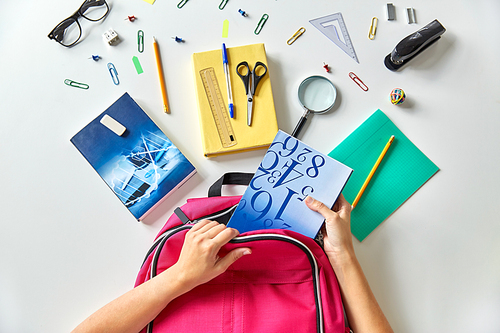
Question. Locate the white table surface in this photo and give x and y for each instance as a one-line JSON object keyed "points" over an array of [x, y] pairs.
{"points": [[68, 246]]}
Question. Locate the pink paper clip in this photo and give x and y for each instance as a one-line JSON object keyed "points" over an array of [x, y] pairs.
{"points": [[358, 81]]}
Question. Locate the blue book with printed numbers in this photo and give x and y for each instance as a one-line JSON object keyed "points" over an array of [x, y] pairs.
{"points": [[139, 163], [289, 172]]}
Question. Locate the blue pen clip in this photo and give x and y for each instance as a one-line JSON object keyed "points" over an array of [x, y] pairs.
{"points": [[114, 73]]}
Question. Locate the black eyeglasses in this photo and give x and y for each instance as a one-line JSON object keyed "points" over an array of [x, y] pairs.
{"points": [[69, 31]]}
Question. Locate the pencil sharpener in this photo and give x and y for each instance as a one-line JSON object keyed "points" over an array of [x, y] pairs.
{"points": [[111, 37]]}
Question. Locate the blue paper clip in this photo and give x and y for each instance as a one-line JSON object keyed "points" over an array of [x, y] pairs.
{"points": [[114, 74], [262, 21], [140, 41]]}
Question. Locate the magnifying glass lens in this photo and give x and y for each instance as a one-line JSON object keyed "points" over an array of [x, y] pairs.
{"points": [[317, 94]]}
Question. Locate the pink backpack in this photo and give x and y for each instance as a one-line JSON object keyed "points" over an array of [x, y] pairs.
{"points": [[286, 285]]}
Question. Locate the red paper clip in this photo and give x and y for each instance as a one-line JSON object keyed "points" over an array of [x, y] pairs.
{"points": [[358, 81]]}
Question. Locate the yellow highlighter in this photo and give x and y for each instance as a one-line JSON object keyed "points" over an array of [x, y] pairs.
{"points": [[370, 175]]}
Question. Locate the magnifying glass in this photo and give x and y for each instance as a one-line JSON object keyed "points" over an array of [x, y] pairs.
{"points": [[317, 95]]}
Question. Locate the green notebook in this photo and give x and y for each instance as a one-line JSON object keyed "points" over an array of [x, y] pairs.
{"points": [[401, 173]]}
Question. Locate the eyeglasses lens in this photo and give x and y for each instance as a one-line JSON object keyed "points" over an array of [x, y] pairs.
{"points": [[67, 32], [94, 10]]}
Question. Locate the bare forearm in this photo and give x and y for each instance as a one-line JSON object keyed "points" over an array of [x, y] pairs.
{"points": [[132, 311], [198, 263], [363, 311]]}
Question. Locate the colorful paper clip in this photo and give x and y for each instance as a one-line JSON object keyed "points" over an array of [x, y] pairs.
{"points": [[223, 4], [296, 35], [140, 41], [358, 81], [75, 84], [373, 28], [262, 21], [182, 3], [113, 73], [242, 12]]}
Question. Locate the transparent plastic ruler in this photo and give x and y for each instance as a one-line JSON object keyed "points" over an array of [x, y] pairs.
{"points": [[218, 108], [330, 25]]}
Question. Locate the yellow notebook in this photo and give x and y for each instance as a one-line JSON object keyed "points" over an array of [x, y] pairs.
{"points": [[215, 124]]}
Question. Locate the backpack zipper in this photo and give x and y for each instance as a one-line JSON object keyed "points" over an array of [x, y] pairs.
{"points": [[216, 214], [208, 217], [243, 239]]}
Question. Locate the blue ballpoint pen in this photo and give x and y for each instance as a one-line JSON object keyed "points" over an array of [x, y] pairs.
{"points": [[228, 80]]}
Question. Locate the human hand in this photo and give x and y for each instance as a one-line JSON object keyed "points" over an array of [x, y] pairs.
{"points": [[199, 261], [337, 229]]}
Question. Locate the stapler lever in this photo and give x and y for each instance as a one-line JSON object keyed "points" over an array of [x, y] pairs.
{"points": [[413, 45]]}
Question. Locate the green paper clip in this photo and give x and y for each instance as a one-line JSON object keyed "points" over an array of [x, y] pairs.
{"points": [[223, 4], [72, 83], [182, 3], [140, 41], [262, 21]]}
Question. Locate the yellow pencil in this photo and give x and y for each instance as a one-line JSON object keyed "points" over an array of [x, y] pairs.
{"points": [[370, 175], [160, 74]]}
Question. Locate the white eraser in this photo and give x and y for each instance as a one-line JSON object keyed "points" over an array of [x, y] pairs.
{"points": [[113, 125]]}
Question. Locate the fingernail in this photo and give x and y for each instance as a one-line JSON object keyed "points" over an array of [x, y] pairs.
{"points": [[247, 252], [309, 200]]}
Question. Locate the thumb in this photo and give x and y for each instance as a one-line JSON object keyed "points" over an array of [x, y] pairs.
{"points": [[232, 256], [319, 207]]}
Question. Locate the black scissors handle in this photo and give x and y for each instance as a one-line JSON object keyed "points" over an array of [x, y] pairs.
{"points": [[245, 77], [256, 78]]}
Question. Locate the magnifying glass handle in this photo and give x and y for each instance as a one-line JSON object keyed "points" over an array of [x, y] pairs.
{"points": [[299, 126]]}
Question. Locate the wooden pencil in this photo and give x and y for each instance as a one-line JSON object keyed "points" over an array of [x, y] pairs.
{"points": [[370, 175], [162, 78]]}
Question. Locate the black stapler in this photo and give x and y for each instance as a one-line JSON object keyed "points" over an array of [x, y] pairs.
{"points": [[413, 45]]}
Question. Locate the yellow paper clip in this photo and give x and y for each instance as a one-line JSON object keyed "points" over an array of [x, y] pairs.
{"points": [[181, 4], [373, 28], [262, 21], [296, 35], [72, 83]]}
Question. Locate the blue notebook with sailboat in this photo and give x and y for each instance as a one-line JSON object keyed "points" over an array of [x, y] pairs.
{"points": [[289, 172], [140, 164]]}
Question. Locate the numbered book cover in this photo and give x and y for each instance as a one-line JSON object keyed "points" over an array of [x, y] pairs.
{"points": [[289, 172], [141, 166]]}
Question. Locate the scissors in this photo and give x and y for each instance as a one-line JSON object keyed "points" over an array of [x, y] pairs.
{"points": [[250, 84]]}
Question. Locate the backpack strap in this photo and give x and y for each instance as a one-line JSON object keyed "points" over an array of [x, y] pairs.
{"points": [[230, 178], [180, 214]]}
